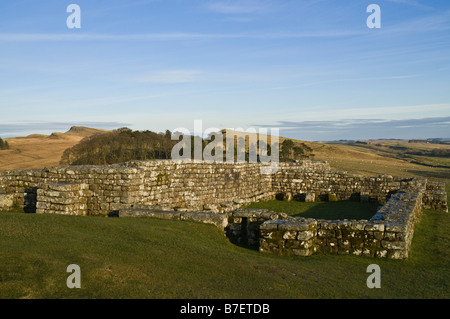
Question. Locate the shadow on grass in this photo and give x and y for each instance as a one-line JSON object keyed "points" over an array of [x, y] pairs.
{"points": [[345, 209], [340, 210]]}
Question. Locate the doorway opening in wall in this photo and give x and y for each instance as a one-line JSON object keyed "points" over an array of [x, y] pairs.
{"points": [[244, 231]]}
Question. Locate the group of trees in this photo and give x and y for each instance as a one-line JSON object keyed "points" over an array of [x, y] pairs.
{"points": [[293, 151], [3, 145], [119, 146], [249, 151], [124, 144], [435, 152], [440, 152]]}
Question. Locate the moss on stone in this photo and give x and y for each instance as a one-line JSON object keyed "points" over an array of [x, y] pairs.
{"points": [[333, 198], [161, 179]]}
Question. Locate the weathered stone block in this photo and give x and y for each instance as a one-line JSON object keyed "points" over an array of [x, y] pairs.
{"points": [[310, 197], [393, 244], [6, 201], [389, 236], [290, 235], [219, 220], [397, 254], [302, 252], [292, 244], [305, 235]]}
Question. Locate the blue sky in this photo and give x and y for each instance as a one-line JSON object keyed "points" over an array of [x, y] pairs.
{"points": [[312, 68]]}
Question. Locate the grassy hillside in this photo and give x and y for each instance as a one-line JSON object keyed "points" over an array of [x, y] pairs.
{"points": [[151, 258], [37, 151], [371, 161], [379, 157], [385, 157]]}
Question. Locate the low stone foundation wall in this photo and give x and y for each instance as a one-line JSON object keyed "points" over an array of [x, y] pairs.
{"points": [[293, 236], [243, 227], [388, 234], [314, 185], [218, 220], [435, 196], [204, 192]]}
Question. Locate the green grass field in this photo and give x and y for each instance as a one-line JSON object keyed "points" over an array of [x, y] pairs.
{"points": [[151, 258]]}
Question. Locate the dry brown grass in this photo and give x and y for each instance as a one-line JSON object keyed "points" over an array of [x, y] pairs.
{"points": [[38, 151], [368, 162]]}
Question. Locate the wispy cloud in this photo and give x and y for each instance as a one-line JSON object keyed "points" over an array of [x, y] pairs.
{"points": [[413, 3], [340, 80], [170, 76], [389, 112], [28, 37], [237, 7], [431, 22], [365, 128]]}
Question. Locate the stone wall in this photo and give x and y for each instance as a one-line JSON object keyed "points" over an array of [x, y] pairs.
{"points": [[319, 185], [388, 234], [218, 220], [6, 201], [206, 192], [435, 197], [63, 198], [243, 225], [214, 187]]}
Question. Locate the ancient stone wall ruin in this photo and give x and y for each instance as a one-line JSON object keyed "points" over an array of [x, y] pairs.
{"points": [[386, 235], [214, 192]]}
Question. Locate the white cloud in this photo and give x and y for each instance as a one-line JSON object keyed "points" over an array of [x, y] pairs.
{"points": [[170, 76], [427, 23], [393, 112], [237, 7], [364, 128], [413, 3]]}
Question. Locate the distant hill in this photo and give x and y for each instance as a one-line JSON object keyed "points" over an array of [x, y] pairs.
{"points": [[388, 157], [37, 151], [394, 157], [84, 131]]}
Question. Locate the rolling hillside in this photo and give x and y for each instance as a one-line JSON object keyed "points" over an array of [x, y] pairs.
{"points": [[38, 151], [385, 157], [370, 161]]}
